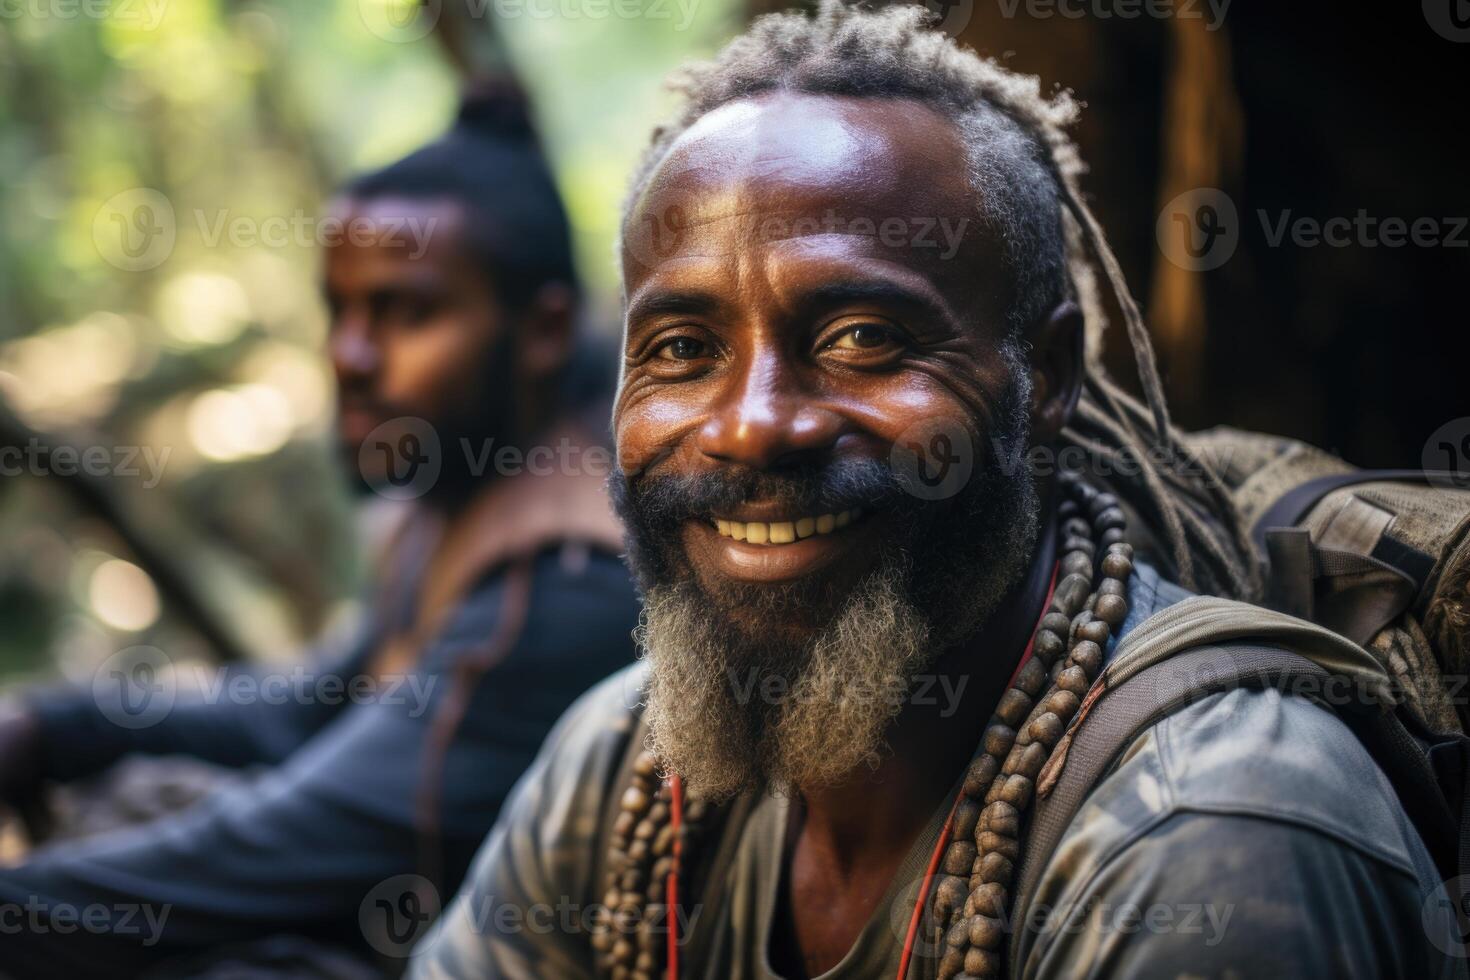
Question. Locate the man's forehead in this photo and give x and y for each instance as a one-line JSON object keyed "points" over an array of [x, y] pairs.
{"points": [[784, 155]]}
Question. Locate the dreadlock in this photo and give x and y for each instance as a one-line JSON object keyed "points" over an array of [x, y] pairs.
{"points": [[1026, 172]]}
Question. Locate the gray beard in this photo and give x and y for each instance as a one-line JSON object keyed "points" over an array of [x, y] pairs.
{"points": [[731, 712]]}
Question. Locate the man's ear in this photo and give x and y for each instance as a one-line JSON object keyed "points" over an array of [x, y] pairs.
{"points": [[1056, 371], [545, 332]]}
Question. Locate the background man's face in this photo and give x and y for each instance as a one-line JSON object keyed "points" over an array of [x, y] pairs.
{"points": [[416, 330], [809, 286]]}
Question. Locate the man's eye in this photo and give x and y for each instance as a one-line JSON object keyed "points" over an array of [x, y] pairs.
{"points": [[683, 349], [865, 336]]}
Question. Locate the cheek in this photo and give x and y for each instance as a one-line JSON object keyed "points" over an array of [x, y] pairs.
{"points": [[651, 425], [436, 365]]}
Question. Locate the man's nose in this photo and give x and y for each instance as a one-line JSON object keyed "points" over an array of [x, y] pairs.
{"points": [[354, 352], [767, 420]]}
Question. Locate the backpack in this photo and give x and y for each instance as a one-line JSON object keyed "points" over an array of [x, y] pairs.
{"points": [[1367, 582]]}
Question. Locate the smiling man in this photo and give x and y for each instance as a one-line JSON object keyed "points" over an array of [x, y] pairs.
{"points": [[821, 426]]}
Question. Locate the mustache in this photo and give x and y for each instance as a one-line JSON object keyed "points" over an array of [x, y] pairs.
{"points": [[666, 500]]}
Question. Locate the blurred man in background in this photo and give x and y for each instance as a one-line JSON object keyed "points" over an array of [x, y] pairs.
{"points": [[464, 393]]}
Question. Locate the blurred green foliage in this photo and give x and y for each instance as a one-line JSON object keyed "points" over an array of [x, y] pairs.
{"points": [[164, 163]]}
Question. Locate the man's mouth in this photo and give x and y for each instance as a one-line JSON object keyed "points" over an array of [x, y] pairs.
{"points": [[785, 532]]}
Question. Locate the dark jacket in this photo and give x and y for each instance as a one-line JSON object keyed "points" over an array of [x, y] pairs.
{"points": [[363, 793]]}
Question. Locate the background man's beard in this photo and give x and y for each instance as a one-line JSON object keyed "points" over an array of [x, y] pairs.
{"points": [[733, 707]]}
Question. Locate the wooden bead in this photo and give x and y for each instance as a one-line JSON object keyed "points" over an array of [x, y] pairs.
{"points": [[980, 775], [695, 811], [1087, 655], [1112, 517], [982, 962], [634, 800], [1001, 818], [1121, 548], [633, 879], [1032, 677], [638, 850], [989, 899], [1058, 623], [984, 931], [1104, 501], [1071, 593], [663, 842], [624, 824], [959, 857], [1080, 545], [1118, 566], [1075, 563], [1075, 680], [1067, 508], [1046, 729], [999, 739], [1076, 527], [1048, 645], [1061, 703], [950, 895], [1111, 537], [1028, 761], [1093, 630], [1016, 790], [958, 934], [996, 868], [1112, 610], [966, 816], [951, 963], [1112, 586], [645, 830], [1013, 708], [990, 842]]}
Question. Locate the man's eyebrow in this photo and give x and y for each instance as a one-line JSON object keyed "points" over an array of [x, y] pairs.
{"points": [[881, 292], [667, 302]]}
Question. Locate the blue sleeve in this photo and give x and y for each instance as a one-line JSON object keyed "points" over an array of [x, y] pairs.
{"points": [[306, 849], [241, 716]]}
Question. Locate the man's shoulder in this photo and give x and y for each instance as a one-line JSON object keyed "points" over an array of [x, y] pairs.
{"points": [[1253, 803], [1267, 754]]}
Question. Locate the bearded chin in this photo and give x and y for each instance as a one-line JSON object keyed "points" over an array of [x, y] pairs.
{"points": [[732, 710], [730, 713]]}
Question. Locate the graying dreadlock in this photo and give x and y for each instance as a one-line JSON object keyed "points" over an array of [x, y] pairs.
{"points": [[1025, 169]]}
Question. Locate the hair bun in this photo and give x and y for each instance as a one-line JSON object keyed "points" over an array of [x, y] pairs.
{"points": [[496, 107]]}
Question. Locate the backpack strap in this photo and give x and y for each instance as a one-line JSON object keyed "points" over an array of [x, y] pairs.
{"points": [[1291, 507], [1202, 646]]}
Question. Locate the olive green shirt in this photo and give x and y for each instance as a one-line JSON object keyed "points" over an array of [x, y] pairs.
{"points": [[1248, 835]]}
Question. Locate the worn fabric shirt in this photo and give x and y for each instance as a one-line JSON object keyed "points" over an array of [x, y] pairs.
{"points": [[337, 812], [1248, 835]]}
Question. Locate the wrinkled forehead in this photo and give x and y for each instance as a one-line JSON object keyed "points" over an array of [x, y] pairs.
{"points": [[882, 177]]}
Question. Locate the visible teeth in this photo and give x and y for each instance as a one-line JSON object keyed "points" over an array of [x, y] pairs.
{"points": [[784, 532]]}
